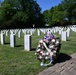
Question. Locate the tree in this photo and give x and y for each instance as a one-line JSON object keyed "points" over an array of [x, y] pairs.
{"points": [[62, 14], [46, 16], [55, 16], [58, 16], [69, 7], [20, 13]]}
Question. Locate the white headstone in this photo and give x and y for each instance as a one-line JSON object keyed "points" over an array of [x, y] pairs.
{"points": [[48, 31], [68, 32], [38, 32], [54, 30], [15, 31], [24, 31], [60, 31], [12, 40], [6, 33], [12, 31], [28, 31], [27, 42], [19, 33], [31, 32], [2, 38], [64, 36]]}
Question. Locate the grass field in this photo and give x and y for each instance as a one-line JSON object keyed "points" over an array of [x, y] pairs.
{"points": [[16, 61]]}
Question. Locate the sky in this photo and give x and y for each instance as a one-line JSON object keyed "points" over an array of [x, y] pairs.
{"points": [[47, 4]]}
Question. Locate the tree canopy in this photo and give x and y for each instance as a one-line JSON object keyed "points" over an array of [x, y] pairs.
{"points": [[20, 14], [25, 13], [62, 14]]}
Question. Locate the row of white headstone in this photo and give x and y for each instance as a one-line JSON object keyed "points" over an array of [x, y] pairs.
{"points": [[64, 32], [27, 38]]}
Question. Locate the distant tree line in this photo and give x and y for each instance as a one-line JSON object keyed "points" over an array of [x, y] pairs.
{"points": [[20, 14], [27, 13], [63, 14]]}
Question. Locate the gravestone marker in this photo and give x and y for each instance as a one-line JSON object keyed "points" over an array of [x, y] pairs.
{"points": [[19, 33], [31, 31], [60, 31], [12, 40], [27, 42], [2, 38], [7, 33], [64, 36], [68, 32], [24, 31], [38, 32]]}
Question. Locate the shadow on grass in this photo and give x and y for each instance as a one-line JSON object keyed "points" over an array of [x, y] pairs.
{"points": [[6, 43], [62, 58], [19, 46], [33, 49], [68, 40]]}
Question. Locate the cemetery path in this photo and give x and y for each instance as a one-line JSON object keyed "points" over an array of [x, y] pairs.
{"points": [[68, 67]]}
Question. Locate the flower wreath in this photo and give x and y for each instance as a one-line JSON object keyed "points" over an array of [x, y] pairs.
{"points": [[49, 54]]}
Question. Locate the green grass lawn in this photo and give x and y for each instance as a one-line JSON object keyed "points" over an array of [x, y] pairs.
{"points": [[17, 61], [69, 47]]}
